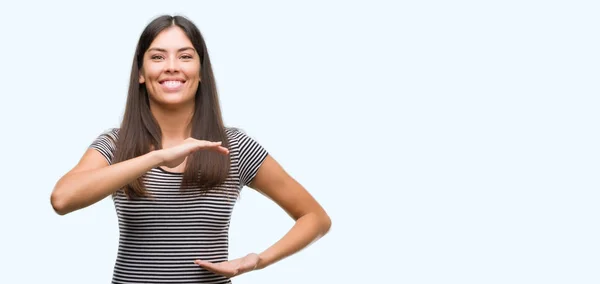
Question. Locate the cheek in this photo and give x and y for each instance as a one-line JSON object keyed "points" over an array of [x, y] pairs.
{"points": [[151, 72], [154, 73], [192, 72]]}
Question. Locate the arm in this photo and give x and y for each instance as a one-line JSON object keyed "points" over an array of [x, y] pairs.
{"points": [[92, 179], [312, 222]]}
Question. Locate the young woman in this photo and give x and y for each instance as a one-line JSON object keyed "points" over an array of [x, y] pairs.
{"points": [[174, 171]]}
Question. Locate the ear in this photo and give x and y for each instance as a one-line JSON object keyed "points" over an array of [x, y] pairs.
{"points": [[142, 79]]}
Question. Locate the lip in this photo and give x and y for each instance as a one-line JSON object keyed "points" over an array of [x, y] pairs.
{"points": [[171, 79], [171, 84]]}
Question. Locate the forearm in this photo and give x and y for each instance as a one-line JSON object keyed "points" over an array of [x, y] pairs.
{"points": [[81, 189], [307, 229]]}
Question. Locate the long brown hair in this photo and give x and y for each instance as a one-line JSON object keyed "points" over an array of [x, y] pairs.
{"points": [[139, 130]]}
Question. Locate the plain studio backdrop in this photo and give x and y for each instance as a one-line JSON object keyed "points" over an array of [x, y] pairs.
{"points": [[450, 141]]}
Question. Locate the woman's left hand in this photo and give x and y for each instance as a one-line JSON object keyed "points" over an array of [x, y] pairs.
{"points": [[232, 268]]}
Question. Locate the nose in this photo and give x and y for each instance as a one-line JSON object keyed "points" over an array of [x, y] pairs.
{"points": [[172, 65]]}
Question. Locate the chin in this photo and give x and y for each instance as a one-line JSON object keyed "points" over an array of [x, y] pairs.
{"points": [[173, 100]]}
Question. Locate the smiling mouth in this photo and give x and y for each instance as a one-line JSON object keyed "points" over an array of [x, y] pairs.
{"points": [[172, 84]]}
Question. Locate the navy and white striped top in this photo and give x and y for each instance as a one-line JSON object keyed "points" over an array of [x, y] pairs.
{"points": [[160, 236]]}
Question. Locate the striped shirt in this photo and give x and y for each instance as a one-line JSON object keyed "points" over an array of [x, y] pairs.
{"points": [[160, 236]]}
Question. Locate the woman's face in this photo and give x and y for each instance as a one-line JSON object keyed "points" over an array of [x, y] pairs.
{"points": [[171, 69]]}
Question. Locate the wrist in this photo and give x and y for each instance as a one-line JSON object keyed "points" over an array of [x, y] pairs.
{"points": [[156, 158], [261, 263]]}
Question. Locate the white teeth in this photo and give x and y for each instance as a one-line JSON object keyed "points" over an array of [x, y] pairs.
{"points": [[172, 84]]}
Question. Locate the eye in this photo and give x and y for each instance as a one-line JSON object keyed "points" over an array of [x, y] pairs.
{"points": [[156, 57], [186, 56]]}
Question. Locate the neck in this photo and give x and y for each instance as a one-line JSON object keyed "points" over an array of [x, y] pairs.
{"points": [[175, 123]]}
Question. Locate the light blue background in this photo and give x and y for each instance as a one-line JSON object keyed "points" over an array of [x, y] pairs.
{"points": [[450, 141]]}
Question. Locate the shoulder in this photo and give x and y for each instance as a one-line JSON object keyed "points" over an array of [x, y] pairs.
{"points": [[234, 132], [240, 140], [106, 143], [247, 152], [237, 137], [112, 133], [108, 135]]}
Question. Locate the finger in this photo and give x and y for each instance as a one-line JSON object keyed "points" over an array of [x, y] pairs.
{"points": [[213, 145], [213, 267], [205, 145], [223, 150], [208, 265], [219, 149]]}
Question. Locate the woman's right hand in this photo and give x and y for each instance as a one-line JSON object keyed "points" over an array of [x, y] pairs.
{"points": [[174, 156]]}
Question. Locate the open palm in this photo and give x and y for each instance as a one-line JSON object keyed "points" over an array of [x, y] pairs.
{"points": [[231, 268]]}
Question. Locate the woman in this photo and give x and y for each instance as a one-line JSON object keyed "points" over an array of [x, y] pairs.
{"points": [[174, 171]]}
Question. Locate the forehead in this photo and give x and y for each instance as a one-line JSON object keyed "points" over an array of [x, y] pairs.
{"points": [[172, 38]]}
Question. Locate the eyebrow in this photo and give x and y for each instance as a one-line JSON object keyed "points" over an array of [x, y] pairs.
{"points": [[164, 50]]}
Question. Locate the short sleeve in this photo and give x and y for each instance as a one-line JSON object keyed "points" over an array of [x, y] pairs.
{"points": [[251, 157], [105, 143]]}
